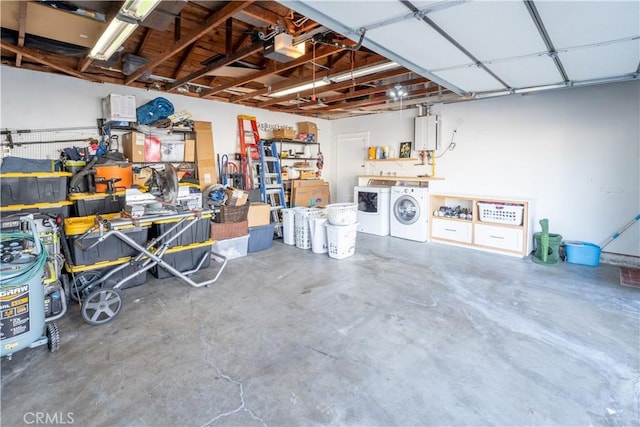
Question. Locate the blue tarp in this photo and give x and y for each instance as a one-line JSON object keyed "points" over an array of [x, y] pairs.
{"points": [[158, 109]]}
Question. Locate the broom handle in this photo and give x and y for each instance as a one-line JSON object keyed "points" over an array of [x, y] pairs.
{"points": [[619, 232]]}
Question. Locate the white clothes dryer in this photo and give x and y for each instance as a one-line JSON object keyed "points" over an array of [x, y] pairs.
{"points": [[373, 209], [409, 218]]}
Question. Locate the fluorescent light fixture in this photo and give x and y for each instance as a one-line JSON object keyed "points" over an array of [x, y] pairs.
{"points": [[363, 72], [120, 28], [112, 38], [138, 9], [301, 88]]}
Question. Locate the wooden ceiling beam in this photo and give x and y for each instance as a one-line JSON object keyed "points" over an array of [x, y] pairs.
{"points": [[239, 55], [22, 23], [338, 86], [35, 56], [286, 66], [298, 82], [373, 90], [266, 16], [211, 23], [372, 101]]}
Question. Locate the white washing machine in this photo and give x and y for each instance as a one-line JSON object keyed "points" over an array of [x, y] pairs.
{"points": [[409, 218], [373, 209]]}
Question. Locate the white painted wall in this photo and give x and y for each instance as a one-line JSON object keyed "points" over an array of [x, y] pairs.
{"points": [[575, 151], [34, 100]]}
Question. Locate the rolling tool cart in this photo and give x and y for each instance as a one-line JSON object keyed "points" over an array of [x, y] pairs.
{"points": [[101, 299], [26, 316]]}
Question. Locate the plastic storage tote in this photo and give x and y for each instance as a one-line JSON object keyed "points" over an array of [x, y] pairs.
{"points": [[110, 249], [260, 238], [196, 233], [231, 248], [184, 258], [30, 188]]}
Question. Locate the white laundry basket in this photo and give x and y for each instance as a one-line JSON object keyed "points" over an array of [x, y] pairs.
{"points": [[303, 235], [288, 225], [341, 240], [318, 235], [342, 213]]}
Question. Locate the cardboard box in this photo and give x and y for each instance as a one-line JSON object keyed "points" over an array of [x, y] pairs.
{"points": [[139, 148], [152, 149], [205, 154], [172, 151], [204, 141], [308, 175], [236, 196], [119, 108], [190, 150], [310, 196], [207, 174], [259, 214], [308, 127], [133, 146], [284, 133], [307, 183]]}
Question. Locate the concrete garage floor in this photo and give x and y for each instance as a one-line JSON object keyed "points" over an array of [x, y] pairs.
{"points": [[402, 333]]}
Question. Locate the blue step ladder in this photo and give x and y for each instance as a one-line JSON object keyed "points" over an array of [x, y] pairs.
{"points": [[271, 187]]}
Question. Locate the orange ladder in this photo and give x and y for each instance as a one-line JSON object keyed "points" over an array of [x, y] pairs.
{"points": [[248, 150]]}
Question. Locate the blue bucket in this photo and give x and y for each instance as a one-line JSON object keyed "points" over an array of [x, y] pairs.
{"points": [[582, 253]]}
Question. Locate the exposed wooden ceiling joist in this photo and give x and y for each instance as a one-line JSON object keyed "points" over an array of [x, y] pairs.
{"points": [[212, 22]]}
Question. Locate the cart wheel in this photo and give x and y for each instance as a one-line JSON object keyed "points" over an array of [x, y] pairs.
{"points": [[53, 337], [84, 284], [101, 306]]}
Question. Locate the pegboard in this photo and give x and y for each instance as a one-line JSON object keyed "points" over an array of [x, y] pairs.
{"points": [[45, 143]]}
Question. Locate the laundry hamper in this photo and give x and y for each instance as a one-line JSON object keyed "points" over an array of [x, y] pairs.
{"points": [[342, 213], [288, 225], [302, 229], [341, 240]]}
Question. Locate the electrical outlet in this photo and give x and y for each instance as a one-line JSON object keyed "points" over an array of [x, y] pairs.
{"points": [[6, 150]]}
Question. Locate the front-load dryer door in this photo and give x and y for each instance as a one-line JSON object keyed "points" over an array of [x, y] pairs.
{"points": [[406, 210], [368, 201]]}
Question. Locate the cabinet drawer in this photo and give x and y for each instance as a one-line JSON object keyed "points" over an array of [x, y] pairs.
{"points": [[451, 230], [498, 237]]}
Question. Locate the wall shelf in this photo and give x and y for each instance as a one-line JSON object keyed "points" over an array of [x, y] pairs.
{"points": [[394, 159]]}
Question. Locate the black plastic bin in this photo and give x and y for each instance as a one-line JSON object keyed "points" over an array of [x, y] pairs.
{"points": [[110, 249], [51, 209], [184, 258], [97, 203], [104, 267], [197, 233], [30, 188]]}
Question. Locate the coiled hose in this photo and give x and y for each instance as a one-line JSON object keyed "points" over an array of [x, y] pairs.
{"points": [[18, 276]]}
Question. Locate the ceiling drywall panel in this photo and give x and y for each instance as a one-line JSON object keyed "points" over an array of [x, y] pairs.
{"points": [[491, 30], [360, 13], [471, 78], [600, 62], [414, 39], [578, 23], [527, 72]]}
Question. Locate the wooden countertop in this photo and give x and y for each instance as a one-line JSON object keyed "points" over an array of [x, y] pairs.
{"points": [[401, 178]]}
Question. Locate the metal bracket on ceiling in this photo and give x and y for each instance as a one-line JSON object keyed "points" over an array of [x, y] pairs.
{"points": [[362, 31]]}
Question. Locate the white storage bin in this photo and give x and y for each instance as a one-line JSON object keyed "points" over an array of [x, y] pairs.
{"points": [[231, 248], [302, 231], [500, 213], [341, 240], [342, 213]]}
